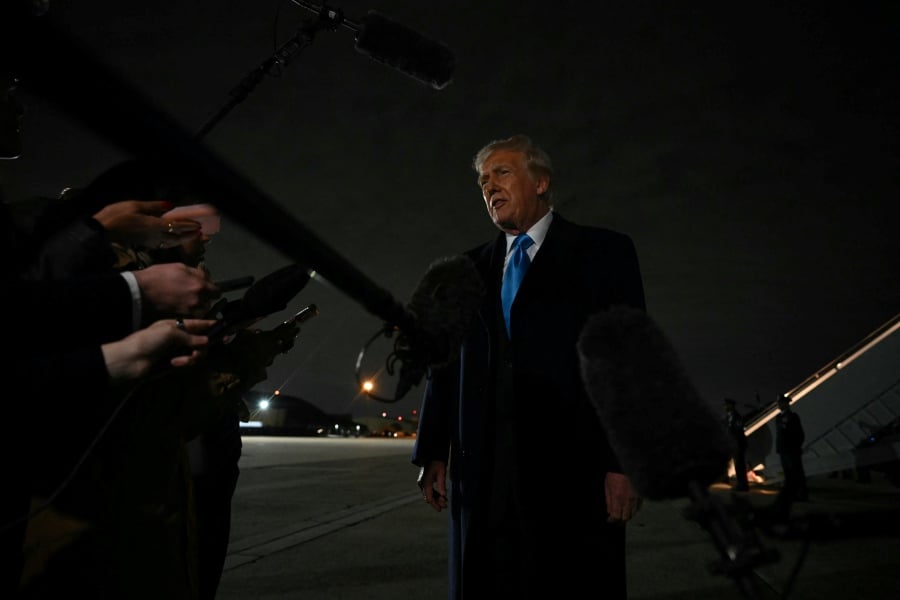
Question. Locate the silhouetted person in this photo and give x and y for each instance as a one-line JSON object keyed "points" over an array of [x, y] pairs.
{"points": [[735, 423], [789, 439], [168, 536], [95, 348]]}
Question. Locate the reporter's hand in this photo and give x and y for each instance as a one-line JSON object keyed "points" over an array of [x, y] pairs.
{"points": [[139, 223], [171, 289], [162, 342]]}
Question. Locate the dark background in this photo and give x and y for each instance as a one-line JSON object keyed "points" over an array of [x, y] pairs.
{"points": [[750, 150]]}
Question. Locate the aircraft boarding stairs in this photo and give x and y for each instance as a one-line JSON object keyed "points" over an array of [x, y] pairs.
{"points": [[850, 410]]}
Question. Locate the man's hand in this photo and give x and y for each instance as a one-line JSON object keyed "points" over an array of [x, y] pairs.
{"points": [[171, 289], [433, 483], [622, 501], [136, 355]]}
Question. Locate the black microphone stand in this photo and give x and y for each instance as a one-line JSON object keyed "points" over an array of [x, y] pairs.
{"points": [[734, 535], [326, 18]]}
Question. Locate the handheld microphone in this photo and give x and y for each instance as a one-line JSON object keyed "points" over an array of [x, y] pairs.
{"points": [[405, 50], [666, 437], [268, 295], [239, 283]]}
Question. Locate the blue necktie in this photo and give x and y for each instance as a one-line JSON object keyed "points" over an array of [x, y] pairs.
{"points": [[515, 272]]}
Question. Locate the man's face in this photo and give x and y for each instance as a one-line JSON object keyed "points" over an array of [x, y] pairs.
{"points": [[511, 191], [11, 114]]}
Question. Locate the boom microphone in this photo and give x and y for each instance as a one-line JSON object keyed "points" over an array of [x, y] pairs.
{"points": [[394, 45], [442, 307], [666, 437], [405, 50]]}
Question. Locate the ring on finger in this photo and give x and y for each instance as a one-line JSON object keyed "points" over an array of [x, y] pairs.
{"points": [[179, 323], [170, 228]]}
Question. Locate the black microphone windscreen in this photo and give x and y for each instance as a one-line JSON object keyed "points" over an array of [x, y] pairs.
{"points": [[406, 50], [663, 433], [443, 305], [441, 308]]}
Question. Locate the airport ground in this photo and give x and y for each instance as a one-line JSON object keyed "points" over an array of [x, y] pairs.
{"points": [[342, 519]]}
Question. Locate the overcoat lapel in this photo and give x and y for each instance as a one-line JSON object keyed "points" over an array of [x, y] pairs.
{"points": [[491, 265], [549, 261]]}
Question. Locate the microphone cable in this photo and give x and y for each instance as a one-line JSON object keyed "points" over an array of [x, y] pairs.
{"points": [[390, 364]]}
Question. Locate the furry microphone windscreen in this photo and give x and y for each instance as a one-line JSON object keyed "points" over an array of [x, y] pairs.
{"points": [[406, 50], [664, 434], [443, 305]]}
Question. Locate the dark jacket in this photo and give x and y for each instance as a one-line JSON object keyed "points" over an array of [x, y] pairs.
{"points": [[735, 424], [52, 332], [562, 448], [789, 435]]}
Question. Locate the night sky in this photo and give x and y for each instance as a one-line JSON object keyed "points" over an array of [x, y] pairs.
{"points": [[750, 150]]}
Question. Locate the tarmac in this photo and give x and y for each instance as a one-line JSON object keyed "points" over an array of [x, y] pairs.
{"points": [[343, 519]]}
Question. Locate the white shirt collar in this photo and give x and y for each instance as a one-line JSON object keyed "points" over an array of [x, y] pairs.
{"points": [[537, 233]]}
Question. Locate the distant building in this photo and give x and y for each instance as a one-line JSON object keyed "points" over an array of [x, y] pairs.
{"points": [[281, 414]]}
